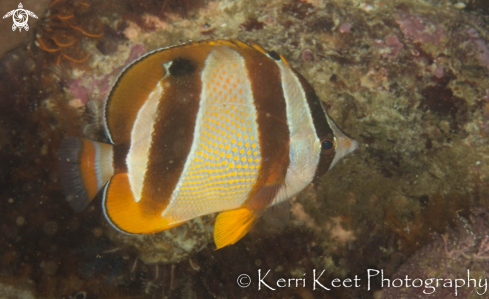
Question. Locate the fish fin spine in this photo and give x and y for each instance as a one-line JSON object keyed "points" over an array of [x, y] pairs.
{"points": [[84, 168]]}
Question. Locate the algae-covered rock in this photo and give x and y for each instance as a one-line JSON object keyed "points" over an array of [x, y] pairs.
{"points": [[454, 265], [169, 246]]}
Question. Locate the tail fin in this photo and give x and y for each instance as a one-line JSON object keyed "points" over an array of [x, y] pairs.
{"points": [[84, 168]]}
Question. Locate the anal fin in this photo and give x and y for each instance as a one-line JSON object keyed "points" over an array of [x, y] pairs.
{"points": [[232, 225], [129, 216]]}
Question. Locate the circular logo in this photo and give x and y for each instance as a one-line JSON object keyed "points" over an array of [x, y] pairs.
{"points": [[244, 281], [20, 18]]}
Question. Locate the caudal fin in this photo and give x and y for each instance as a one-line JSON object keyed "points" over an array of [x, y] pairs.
{"points": [[84, 168]]}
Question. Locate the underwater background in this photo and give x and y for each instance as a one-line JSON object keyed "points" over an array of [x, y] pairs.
{"points": [[408, 79]]}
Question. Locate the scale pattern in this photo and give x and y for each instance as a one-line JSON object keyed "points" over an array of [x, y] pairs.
{"points": [[225, 156]]}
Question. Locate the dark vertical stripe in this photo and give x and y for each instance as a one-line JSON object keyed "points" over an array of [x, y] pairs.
{"points": [[273, 130], [129, 93], [172, 136], [137, 81], [119, 159], [323, 130], [174, 127]]}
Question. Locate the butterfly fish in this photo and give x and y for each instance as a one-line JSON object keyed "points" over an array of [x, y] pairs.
{"points": [[214, 126]]}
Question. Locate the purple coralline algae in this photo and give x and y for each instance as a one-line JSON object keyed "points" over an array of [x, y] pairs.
{"points": [[89, 86], [392, 45], [481, 46], [419, 29]]}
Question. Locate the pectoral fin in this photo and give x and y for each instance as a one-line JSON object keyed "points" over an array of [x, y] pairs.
{"points": [[232, 225], [264, 197], [277, 216]]}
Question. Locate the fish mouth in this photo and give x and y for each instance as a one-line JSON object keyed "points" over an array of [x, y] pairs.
{"points": [[344, 143]]}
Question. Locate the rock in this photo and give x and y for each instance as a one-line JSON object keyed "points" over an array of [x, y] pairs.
{"points": [[169, 246]]}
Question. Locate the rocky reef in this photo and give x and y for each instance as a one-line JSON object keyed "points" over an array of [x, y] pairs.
{"points": [[457, 260], [408, 79], [170, 246]]}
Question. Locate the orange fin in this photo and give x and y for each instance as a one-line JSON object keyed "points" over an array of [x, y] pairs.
{"points": [[129, 216], [84, 167], [259, 48], [232, 225]]}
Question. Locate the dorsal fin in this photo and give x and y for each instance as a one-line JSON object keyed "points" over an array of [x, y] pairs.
{"points": [[136, 82]]}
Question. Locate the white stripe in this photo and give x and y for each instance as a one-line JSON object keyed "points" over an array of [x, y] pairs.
{"points": [[104, 168], [98, 172], [137, 157], [303, 157], [106, 126]]}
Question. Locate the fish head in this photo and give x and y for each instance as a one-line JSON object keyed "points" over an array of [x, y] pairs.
{"points": [[332, 147]]}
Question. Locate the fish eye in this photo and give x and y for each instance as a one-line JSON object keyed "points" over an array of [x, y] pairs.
{"points": [[327, 145], [324, 146]]}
